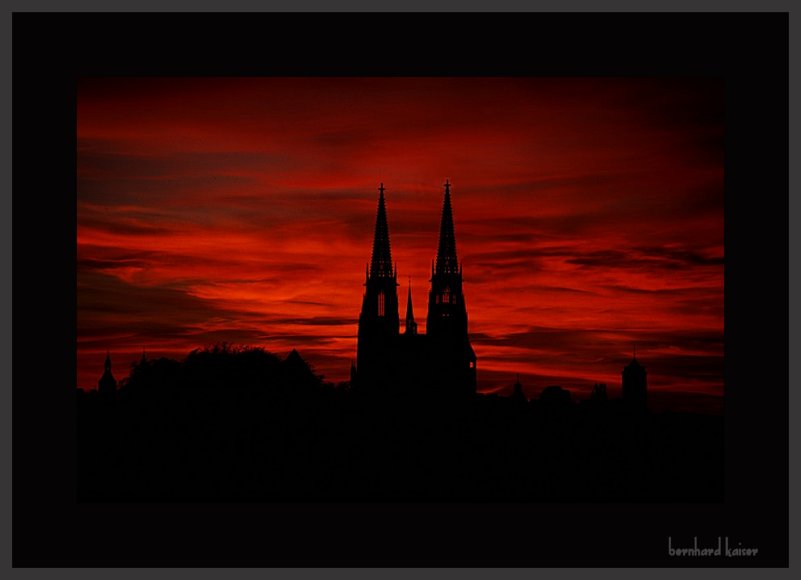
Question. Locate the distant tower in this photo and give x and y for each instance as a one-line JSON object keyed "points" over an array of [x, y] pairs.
{"points": [[379, 324], [518, 394], [411, 325], [635, 383], [446, 325], [107, 384], [599, 392]]}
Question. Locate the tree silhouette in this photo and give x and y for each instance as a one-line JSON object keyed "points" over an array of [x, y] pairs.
{"points": [[235, 423]]}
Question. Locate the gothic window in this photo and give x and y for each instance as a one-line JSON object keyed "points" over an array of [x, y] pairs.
{"points": [[381, 304]]}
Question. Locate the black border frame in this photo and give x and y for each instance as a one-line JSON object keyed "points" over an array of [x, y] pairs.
{"points": [[51, 50]]}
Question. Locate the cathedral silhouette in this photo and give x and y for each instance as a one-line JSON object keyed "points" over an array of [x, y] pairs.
{"points": [[439, 363]]}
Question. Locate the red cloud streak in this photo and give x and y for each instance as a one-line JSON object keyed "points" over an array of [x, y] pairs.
{"points": [[588, 213]]}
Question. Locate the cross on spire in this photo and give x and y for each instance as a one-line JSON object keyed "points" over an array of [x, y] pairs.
{"points": [[446, 253], [381, 263]]}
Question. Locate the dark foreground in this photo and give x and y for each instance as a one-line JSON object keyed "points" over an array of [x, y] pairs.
{"points": [[248, 426]]}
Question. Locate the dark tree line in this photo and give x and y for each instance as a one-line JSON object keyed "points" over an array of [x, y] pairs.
{"points": [[234, 424]]}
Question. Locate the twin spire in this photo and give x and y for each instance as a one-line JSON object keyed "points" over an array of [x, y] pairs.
{"points": [[381, 261]]}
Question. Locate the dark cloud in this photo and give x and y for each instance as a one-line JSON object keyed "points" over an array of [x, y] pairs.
{"points": [[107, 302], [682, 255], [329, 321], [645, 257], [93, 264], [110, 160]]}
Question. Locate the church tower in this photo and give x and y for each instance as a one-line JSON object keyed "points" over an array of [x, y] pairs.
{"points": [[446, 325], [635, 384], [379, 324], [107, 384]]}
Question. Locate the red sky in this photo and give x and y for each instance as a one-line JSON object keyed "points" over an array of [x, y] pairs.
{"points": [[588, 216]]}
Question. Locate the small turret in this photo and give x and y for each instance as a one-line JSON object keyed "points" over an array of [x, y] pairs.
{"points": [[411, 325]]}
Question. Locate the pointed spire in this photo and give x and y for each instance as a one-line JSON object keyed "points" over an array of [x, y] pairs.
{"points": [[411, 325], [517, 393], [107, 383], [634, 362], [446, 253], [381, 264]]}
